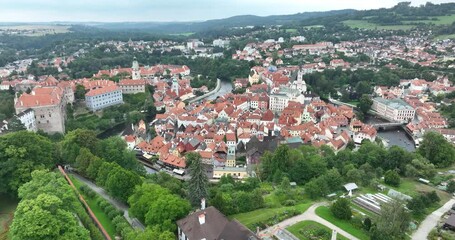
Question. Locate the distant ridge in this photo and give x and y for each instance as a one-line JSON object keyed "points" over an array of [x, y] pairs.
{"points": [[235, 21]]}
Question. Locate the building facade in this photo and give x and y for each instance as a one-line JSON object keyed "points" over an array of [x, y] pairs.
{"points": [[27, 118], [48, 105], [393, 109], [129, 86], [103, 97]]}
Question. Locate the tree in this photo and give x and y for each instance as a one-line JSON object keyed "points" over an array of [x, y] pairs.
{"points": [[44, 218], [155, 205], [392, 222], [437, 150], [121, 183], [20, 154], [341, 209], [198, 185], [150, 233], [392, 178], [77, 139], [365, 103], [451, 186], [79, 94], [114, 149], [15, 125]]}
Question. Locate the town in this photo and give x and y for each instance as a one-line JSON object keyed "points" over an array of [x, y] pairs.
{"points": [[341, 127]]}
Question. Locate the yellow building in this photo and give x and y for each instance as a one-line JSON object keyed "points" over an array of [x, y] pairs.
{"points": [[218, 172]]}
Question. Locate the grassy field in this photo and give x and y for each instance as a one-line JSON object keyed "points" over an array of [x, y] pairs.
{"points": [[7, 208], [291, 30], [443, 37], [325, 213], [313, 26], [37, 30], [367, 25], [442, 20], [102, 217], [309, 225], [185, 34], [263, 214]]}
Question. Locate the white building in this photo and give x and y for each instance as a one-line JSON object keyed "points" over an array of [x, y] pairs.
{"points": [[136, 73], [393, 109], [27, 118], [279, 100], [221, 43], [103, 97]]}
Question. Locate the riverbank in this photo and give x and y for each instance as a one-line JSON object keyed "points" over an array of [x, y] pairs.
{"points": [[217, 88]]}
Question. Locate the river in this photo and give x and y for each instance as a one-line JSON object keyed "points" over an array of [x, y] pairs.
{"points": [[394, 136], [226, 87]]}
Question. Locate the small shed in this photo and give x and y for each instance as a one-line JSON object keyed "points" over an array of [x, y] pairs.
{"points": [[350, 187], [293, 184]]}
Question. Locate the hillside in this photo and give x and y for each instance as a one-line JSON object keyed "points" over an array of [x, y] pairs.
{"points": [[236, 21]]}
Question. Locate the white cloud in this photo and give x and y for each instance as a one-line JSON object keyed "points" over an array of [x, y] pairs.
{"points": [[171, 10]]}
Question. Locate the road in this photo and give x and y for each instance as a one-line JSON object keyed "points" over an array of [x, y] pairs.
{"points": [[134, 222], [431, 221], [309, 214]]}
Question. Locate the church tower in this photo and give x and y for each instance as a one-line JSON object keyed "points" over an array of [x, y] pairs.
{"points": [[136, 74], [175, 86], [300, 83]]}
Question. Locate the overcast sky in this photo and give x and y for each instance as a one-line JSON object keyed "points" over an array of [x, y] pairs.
{"points": [[170, 10]]}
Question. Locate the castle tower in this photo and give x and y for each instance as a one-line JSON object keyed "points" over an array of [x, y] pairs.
{"points": [[175, 86], [136, 74]]}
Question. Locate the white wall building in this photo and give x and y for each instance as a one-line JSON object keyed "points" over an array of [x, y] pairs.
{"points": [[393, 109], [103, 97], [27, 118]]}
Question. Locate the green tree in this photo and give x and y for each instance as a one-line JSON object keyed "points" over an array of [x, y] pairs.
{"points": [[121, 183], [392, 178], [20, 154], [15, 125], [341, 209], [79, 94], [44, 218], [392, 222], [365, 103], [75, 140], [436, 149], [198, 184], [451, 186]]}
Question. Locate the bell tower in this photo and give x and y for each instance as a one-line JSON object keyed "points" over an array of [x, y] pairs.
{"points": [[136, 74]]}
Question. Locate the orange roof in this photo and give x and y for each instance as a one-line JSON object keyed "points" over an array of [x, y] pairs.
{"points": [[130, 82], [102, 90]]}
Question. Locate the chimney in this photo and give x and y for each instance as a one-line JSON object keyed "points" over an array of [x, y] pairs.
{"points": [[203, 204], [202, 218]]}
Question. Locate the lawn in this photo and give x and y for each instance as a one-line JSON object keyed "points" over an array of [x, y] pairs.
{"points": [[185, 34], [291, 30], [263, 214], [367, 25], [309, 225], [442, 20], [102, 217], [443, 37], [7, 207], [324, 212]]}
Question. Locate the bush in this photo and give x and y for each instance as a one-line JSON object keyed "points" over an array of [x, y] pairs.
{"points": [[367, 224], [392, 178], [103, 204], [109, 208], [289, 203], [112, 214], [341, 209]]}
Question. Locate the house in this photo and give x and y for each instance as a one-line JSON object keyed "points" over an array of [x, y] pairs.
{"points": [[49, 107], [209, 223], [103, 97], [393, 109], [235, 172], [27, 118]]}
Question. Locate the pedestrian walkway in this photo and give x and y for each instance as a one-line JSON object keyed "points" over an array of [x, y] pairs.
{"points": [[134, 222], [431, 221], [277, 230]]}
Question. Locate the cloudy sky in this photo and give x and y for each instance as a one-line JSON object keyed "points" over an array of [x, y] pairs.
{"points": [[170, 10]]}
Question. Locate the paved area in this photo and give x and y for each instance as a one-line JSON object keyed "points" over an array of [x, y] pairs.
{"points": [[309, 214], [134, 222], [431, 221]]}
